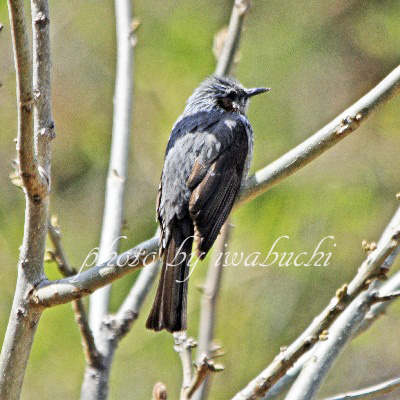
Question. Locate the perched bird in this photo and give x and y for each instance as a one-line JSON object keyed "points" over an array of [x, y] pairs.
{"points": [[208, 157]]}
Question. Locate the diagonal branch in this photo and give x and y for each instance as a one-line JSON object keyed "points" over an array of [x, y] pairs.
{"points": [[317, 367], [344, 124], [132, 305], [392, 285], [92, 356], [370, 270], [371, 391], [50, 293], [387, 292], [231, 45]]}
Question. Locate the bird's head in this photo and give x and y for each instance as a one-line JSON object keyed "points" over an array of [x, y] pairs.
{"points": [[222, 93]]}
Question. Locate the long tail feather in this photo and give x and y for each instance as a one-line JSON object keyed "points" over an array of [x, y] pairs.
{"points": [[169, 309]]}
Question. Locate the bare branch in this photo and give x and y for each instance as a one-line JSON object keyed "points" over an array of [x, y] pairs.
{"points": [[379, 298], [371, 391], [389, 287], [132, 305], [121, 133], [316, 368], [287, 379], [392, 285], [183, 346], [231, 45], [203, 367], [209, 301], [23, 319], [58, 253], [44, 125], [50, 293], [192, 380], [92, 356], [369, 271], [27, 163], [344, 124], [95, 384]]}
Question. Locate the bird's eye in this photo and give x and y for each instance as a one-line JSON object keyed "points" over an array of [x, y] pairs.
{"points": [[231, 95]]}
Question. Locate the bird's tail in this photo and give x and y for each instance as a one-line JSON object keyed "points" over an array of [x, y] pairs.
{"points": [[169, 309]]}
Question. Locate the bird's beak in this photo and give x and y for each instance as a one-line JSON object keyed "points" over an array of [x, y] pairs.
{"points": [[255, 91]]}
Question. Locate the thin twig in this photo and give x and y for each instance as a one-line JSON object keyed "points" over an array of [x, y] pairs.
{"points": [[232, 40], [27, 163], [256, 185], [92, 356], [390, 286], [203, 367], [214, 274], [130, 308], [183, 345], [44, 124], [192, 380], [367, 273], [371, 391], [209, 301], [379, 298]]}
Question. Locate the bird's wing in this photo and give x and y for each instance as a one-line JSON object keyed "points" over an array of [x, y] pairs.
{"points": [[183, 147], [216, 178]]}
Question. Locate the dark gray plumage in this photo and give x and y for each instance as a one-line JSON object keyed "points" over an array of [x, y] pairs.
{"points": [[208, 156]]}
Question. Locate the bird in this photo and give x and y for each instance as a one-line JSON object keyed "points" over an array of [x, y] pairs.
{"points": [[207, 159]]}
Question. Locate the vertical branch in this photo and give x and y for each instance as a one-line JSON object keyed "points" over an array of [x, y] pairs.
{"points": [[23, 65], [214, 274], [44, 125], [239, 11], [115, 188], [24, 317], [95, 384], [209, 303], [183, 346]]}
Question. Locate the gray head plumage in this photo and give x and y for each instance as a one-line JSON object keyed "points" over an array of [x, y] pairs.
{"points": [[220, 93]]}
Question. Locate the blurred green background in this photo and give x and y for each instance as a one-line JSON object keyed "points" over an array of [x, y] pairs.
{"points": [[319, 57]]}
